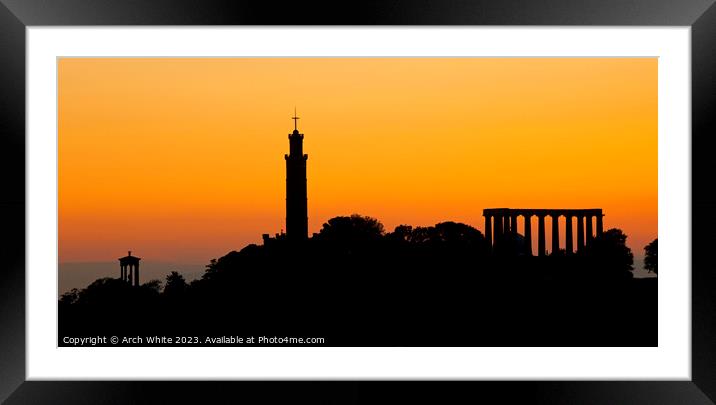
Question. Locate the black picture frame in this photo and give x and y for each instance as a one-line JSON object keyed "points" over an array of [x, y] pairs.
{"points": [[16, 15]]}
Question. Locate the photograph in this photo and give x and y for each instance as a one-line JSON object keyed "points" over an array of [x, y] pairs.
{"points": [[207, 202], [357, 201]]}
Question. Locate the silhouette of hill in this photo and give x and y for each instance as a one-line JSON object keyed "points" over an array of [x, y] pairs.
{"points": [[354, 284], [81, 274]]}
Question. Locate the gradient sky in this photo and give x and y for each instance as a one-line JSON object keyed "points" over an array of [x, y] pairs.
{"points": [[181, 160]]}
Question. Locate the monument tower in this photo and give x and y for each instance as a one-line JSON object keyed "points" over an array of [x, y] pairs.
{"points": [[129, 269], [296, 195]]}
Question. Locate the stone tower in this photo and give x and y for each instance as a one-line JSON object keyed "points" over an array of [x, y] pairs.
{"points": [[296, 195]]}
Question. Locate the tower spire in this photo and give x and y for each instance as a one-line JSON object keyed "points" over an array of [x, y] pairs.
{"points": [[296, 198], [295, 120]]}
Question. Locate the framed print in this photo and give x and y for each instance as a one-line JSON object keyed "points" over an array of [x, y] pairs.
{"points": [[483, 201]]}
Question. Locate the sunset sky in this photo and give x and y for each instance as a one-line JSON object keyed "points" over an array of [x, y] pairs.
{"points": [[181, 160]]}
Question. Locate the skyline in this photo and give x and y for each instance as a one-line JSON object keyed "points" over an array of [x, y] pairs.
{"points": [[148, 147]]}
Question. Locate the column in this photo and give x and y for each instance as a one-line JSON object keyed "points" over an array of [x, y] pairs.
{"points": [[568, 235], [121, 272], [129, 274], [528, 234], [590, 235], [498, 230], [540, 237], [505, 224], [600, 225], [136, 274], [488, 230], [555, 234], [513, 221], [580, 233]]}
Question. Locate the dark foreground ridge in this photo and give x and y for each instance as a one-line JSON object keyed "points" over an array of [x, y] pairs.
{"points": [[354, 285]]}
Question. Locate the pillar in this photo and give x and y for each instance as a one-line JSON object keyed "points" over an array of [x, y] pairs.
{"points": [[600, 225], [580, 233], [528, 234], [568, 246], [540, 237], [136, 274], [555, 234], [505, 224], [513, 221], [121, 272], [590, 235], [498, 230], [129, 275], [488, 230]]}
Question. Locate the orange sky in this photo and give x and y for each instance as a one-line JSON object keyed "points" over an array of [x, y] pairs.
{"points": [[182, 159]]}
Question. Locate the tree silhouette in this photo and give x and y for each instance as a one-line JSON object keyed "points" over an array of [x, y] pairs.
{"points": [[456, 233], [650, 256], [153, 285], [356, 229], [69, 298], [103, 291], [609, 253], [175, 285], [402, 233], [446, 233]]}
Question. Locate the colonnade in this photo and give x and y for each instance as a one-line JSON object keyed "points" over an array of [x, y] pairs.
{"points": [[503, 221]]}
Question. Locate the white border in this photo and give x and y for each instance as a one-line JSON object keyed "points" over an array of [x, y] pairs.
{"points": [[671, 360]]}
